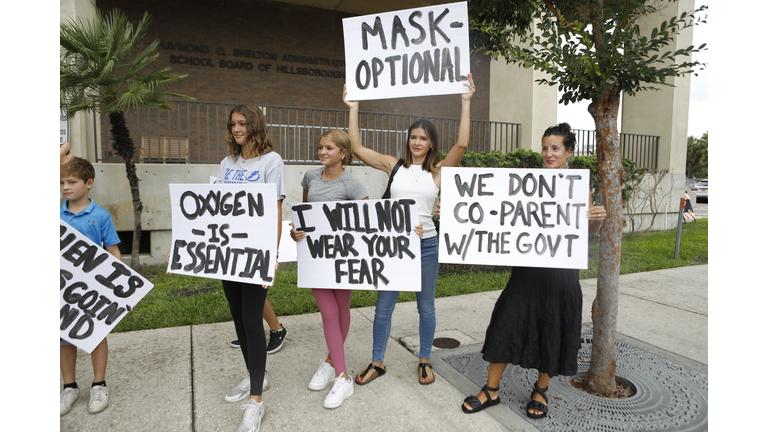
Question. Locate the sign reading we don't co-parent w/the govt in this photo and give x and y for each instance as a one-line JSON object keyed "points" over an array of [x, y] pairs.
{"points": [[413, 52], [514, 217], [97, 290], [367, 245], [226, 231]]}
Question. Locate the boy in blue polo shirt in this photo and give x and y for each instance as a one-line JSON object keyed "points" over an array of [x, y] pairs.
{"points": [[95, 223]]}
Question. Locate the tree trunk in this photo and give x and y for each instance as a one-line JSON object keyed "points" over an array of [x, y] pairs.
{"points": [[123, 145], [601, 376]]}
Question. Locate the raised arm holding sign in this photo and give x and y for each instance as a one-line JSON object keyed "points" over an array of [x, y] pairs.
{"points": [[536, 322], [418, 179]]}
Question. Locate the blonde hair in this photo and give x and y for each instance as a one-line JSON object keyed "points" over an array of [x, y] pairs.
{"points": [[258, 135], [341, 139]]}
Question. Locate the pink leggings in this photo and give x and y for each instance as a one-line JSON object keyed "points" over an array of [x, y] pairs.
{"points": [[334, 309]]}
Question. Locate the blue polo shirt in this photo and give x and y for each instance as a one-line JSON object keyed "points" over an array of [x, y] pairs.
{"points": [[94, 222]]}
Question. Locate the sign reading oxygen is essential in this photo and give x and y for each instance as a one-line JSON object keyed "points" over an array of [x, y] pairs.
{"points": [[412, 52], [514, 217], [226, 231], [96, 289], [366, 245]]}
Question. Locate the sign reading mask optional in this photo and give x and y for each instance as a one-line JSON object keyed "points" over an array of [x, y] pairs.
{"points": [[97, 289], [514, 217], [366, 245], [226, 231], [413, 52]]}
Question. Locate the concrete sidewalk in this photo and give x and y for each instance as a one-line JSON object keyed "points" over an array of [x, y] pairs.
{"points": [[175, 379]]}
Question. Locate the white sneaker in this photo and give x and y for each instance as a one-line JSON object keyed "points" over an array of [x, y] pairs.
{"points": [[68, 398], [99, 399], [265, 383], [254, 412], [324, 376], [243, 390], [342, 389]]}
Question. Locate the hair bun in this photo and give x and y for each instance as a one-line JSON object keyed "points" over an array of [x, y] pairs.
{"points": [[565, 126]]}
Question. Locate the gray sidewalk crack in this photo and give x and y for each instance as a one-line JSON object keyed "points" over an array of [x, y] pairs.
{"points": [[664, 304]]}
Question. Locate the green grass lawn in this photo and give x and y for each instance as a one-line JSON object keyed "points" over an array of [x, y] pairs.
{"points": [[183, 300]]}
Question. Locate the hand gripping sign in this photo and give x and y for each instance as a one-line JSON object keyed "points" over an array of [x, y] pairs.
{"points": [[97, 289], [514, 217], [367, 245], [413, 52], [224, 231]]}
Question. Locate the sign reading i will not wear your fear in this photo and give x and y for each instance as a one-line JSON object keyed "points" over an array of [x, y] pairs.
{"points": [[365, 245], [412, 52], [97, 289], [224, 231], [515, 217]]}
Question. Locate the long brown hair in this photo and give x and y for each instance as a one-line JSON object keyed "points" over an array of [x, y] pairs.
{"points": [[433, 155], [258, 135]]}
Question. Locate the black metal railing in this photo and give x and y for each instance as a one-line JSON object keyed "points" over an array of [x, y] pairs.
{"points": [[195, 132], [642, 149]]}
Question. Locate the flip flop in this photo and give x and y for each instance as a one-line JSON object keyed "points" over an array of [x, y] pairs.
{"points": [[423, 373], [377, 372]]}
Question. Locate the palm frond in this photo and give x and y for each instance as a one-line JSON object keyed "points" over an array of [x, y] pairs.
{"points": [[103, 67]]}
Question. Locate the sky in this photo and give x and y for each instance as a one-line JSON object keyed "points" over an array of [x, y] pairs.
{"points": [[698, 115]]}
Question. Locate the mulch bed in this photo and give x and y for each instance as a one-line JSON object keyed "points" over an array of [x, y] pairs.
{"points": [[623, 391]]}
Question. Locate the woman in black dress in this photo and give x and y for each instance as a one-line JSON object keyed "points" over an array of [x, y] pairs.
{"points": [[536, 322]]}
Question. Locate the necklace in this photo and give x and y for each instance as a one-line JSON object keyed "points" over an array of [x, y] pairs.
{"points": [[414, 175]]}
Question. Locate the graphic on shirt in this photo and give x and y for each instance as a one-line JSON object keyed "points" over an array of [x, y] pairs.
{"points": [[241, 176]]}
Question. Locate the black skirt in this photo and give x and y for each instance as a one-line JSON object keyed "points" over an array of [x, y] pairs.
{"points": [[536, 322]]}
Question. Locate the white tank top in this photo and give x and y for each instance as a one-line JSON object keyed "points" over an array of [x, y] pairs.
{"points": [[417, 184]]}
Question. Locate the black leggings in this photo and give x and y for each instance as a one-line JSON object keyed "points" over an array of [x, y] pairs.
{"points": [[246, 304]]}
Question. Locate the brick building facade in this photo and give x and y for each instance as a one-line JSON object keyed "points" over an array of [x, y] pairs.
{"points": [[268, 53]]}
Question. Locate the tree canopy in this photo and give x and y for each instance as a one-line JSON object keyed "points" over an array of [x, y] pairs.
{"points": [[697, 160]]}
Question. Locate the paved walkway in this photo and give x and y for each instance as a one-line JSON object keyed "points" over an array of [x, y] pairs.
{"points": [[175, 379]]}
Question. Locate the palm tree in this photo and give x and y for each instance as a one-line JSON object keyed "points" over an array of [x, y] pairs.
{"points": [[103, 70]]}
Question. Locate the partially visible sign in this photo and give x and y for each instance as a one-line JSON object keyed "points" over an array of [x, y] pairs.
{"points": [[224, 231], [364, 245], [64, 126], [514, 217], [412, 52], [96, 289]]}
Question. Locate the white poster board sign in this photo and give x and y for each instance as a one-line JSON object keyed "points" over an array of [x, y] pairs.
{"points": [[514, 217], [412, 52], [63, 126], [365, 245], [224, 231], [97, 289]]}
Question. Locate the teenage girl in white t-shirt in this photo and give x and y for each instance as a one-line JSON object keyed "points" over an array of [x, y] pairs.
{"points": [[250, 159], [418, 178]]}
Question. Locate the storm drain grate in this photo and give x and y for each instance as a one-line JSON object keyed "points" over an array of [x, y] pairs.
{"points": [[669, 397]]}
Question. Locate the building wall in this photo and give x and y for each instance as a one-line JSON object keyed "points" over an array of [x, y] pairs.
{"points": [[264, 47]]}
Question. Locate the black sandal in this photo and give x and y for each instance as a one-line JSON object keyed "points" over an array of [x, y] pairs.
{"points": [[377, 372], [423, 373], [478, 406], [536, 405]]}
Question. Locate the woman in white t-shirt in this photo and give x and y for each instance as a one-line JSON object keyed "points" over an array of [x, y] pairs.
{"points": [[251, 159], [419, 179]]}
